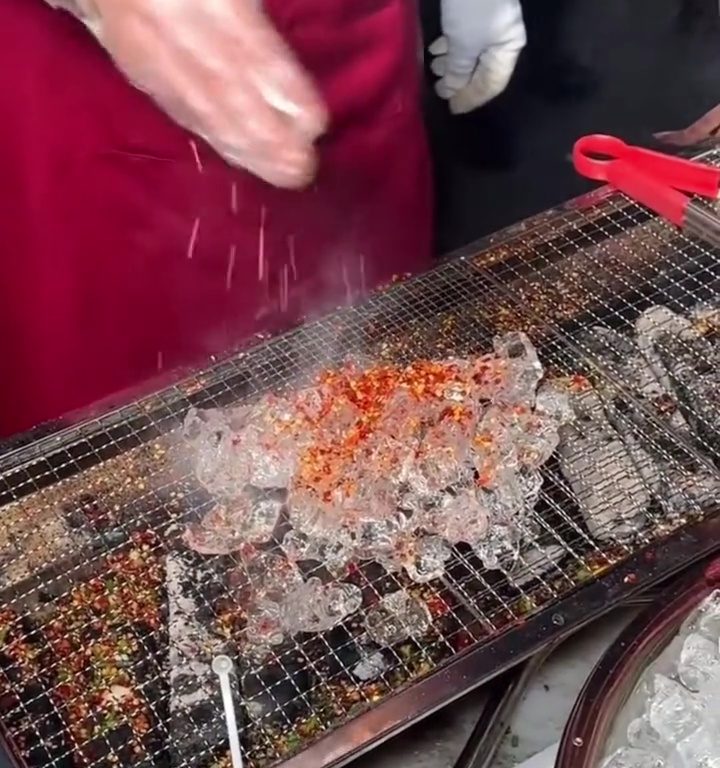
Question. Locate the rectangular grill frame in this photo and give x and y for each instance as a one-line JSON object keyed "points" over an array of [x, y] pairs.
{"points": [[494, 266]]}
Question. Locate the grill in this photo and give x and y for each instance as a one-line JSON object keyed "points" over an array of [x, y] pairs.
{"points": [[109, 625]]}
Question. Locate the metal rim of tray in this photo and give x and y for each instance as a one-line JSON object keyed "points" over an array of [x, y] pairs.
{"points": [[615, 675]]}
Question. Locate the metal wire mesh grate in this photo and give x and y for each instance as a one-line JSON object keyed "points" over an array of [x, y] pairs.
{"points": [[109, 623]]}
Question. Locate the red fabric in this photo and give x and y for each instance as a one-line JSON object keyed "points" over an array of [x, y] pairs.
{"points": [[124, 253]]}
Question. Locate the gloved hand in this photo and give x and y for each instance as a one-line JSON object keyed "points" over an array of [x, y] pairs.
{"points": [[478, 51], [221, 70]]}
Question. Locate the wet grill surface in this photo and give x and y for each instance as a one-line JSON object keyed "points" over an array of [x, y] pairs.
{"points": [[109, 622]]}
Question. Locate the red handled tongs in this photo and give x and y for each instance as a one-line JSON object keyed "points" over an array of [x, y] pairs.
{"points": [[660, 182]]}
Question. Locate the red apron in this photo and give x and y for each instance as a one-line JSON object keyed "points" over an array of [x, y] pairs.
{"points": [[129, 248]]}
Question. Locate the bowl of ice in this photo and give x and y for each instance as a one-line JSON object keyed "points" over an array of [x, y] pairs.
{"points": [[653, 700]]}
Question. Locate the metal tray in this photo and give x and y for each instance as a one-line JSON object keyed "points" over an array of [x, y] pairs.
{"points": [[616, 674], [597, 260]]}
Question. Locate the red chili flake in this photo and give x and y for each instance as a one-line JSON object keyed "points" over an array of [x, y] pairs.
{"points": [[486, 477], [92, 684], [323, 465], [100, 604], [462, 640], [247, 551], [579, 383], [437, 606], [483, 441], [665, 404]]}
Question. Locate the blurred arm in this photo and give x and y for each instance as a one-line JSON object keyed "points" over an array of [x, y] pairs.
{"points": [[221, 70]]}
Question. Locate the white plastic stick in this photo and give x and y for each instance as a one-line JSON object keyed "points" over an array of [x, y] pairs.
{"points": [[223, 666]]}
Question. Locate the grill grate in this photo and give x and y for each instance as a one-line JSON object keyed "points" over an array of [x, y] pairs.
{"points": [[109, 624]]}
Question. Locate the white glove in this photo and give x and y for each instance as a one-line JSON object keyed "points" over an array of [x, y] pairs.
{"points": [[220, 69], [477, 54]]}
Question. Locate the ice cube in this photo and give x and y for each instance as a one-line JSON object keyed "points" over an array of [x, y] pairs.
{"points": [[226, 527], [217, 533], [264, 513], [264, 628], [298, 546], [269, 452], [631, 757], [708, 621], [494, 446], [271, 577], [396, 617], [530, 484], [536, 443], [524, 370], [317, 607], [428, 563], [333, 553], [370, 667], [507, 508], [460, 517], [640, 734], [501, 544], [377, 538], [311, 514], [437, 464], [552, 401], [271, 469], [700, 749], [674, 712], [213, 455], [698, 663]]}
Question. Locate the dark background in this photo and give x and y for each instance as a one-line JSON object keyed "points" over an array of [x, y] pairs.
{"points": [[628, 67]]}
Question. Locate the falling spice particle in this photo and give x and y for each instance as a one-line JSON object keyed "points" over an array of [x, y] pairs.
{"points": [[193, 238], [346, 283], [291, 251], [261, 245], [284, 288], [363, 278], [230, 267], [196, 156]]}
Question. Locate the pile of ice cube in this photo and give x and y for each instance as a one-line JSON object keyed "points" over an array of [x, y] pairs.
{"points": [[460, 463], [680, 726]]}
